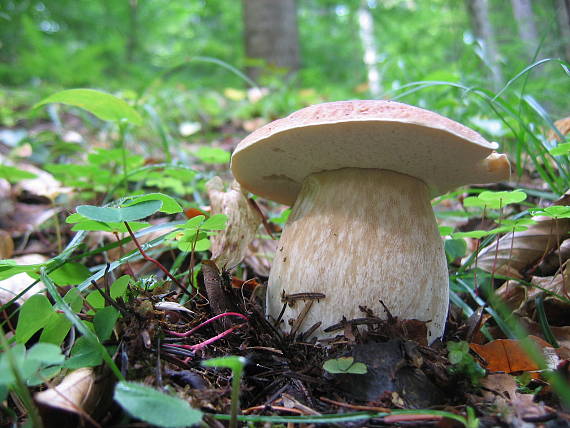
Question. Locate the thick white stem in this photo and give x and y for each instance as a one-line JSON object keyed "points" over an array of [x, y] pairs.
{"points": [[360, 236]]}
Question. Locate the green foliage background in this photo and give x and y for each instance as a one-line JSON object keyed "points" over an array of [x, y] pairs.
{"points": [[72, 43]]}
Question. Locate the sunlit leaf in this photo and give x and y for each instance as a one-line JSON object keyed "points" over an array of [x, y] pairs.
{"points": [[130, 213], [169, 204], [104, 106], [13, 174]]}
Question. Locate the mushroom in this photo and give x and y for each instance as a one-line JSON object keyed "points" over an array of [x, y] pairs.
{"points": [[360, 176]]}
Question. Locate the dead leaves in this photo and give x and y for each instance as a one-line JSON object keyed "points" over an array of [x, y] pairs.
{"points": [[507, 355], [230, 245], [515, 252]]}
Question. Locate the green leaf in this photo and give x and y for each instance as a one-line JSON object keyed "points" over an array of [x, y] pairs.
{"points": [[45, 353], [503, 198], [194, 222], [114, 215], [155, 407], [213, 155], [92, 226], [169, 205], [104, 106], [58, 325], [117, 289], [43, 361], [70, 274], [18, 354], [35, 314], [83, 354], [455, 248], [10, 268], [345, 365], [231, 362], [216, 222], [555, 211], [190, 240], [282, 218], [13, 174], [560, 150], [474, 201], [477, 234], [104, 322], [445, 230]]}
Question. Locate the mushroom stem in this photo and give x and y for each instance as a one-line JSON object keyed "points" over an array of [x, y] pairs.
{"points": [[360, 236]]}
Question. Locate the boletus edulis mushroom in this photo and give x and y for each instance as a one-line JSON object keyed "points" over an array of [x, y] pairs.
{"points": [[360, 176]]}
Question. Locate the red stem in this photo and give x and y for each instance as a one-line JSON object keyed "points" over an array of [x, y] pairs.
{"points": [[156, 262], [189, 332], [205, 343]]}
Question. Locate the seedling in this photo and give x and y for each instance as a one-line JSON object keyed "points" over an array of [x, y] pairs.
{"points": [[236, 364], [345, 365]]}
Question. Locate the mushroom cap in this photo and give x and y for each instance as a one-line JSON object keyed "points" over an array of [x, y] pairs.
{"points": [[274, 160]]}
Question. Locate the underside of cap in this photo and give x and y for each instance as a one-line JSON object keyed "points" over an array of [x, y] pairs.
{"points": [[274, 160]]}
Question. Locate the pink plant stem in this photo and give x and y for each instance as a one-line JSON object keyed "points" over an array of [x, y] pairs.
{"points": [[205, 343], [189, 332]]}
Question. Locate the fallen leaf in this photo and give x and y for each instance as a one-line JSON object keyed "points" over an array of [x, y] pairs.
{"points": [[82, 392], [44, 184], [6, 245], [507, 355], [514, 252], [503, 385], [229, 245], [561, 334], [563, 125], [11, 287], [71, 393], [259, 255]]}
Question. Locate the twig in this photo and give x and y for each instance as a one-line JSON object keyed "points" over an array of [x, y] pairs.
{"points": [[273, 408], [108, 299], [355, 406]]}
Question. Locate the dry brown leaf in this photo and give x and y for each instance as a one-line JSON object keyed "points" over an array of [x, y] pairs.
{"points": [[259, 255], [11, 287], [72, 393], [522, 298], [561, 334], [229, 246], [563, 126], [507, 355], [6, 245], [82, 393], [516, 251], [500, 384], [44, 184]]}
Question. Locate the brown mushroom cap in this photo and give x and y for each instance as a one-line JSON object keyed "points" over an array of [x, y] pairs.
{"points": [[274, 160]]}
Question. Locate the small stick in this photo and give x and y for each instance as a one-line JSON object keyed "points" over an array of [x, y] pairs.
{"points": [[108, 299], [355, 406]]}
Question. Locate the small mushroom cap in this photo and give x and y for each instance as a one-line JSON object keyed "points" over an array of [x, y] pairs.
{"points": [[274, 160]]}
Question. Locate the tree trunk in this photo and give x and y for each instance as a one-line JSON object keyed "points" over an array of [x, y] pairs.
{"points": [[366, 27], [479, 14], [563, 15], [132, 40], [271, 36], [522, 10]]}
